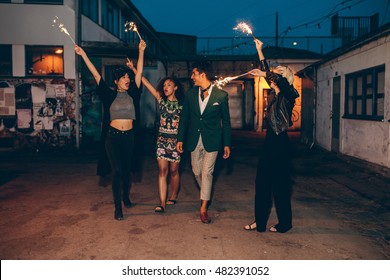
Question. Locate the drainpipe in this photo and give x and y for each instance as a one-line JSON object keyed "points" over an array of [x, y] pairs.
{"points": [[315, 108], [78, 73]]}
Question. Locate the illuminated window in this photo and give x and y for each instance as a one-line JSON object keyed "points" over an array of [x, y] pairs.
{"points": [[44, 61], [5, 60], [365, 94]]}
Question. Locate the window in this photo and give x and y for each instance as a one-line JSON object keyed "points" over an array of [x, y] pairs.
{"points": [[44, 61], [365, 94], [5, 60], [44, 2], [110, 17], [90, 9]]}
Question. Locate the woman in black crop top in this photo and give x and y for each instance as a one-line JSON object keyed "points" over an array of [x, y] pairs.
{"points": [[118, 118]]}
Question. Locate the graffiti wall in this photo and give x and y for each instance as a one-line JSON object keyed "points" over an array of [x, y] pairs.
{"points": [[37, 114]]}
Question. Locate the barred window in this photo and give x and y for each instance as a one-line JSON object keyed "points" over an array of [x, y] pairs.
{"points": [[365, 94]]}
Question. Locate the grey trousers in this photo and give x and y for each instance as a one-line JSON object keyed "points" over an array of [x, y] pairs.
{"points": [[203, 163]]}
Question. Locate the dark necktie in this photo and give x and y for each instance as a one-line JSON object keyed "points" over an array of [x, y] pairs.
{"points": [[202, 91]]}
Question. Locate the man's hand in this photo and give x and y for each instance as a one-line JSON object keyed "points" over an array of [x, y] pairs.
{"points": [[226, 152], [179, 147]]}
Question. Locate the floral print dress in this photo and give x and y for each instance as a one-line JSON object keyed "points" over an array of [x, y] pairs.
{"points": [[167, 133]]}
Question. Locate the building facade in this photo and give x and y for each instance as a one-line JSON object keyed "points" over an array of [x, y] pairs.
{"points": [[349, 92], [47, 95]]}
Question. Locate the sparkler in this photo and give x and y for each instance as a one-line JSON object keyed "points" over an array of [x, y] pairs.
{"points": [[61, 26], [131, 26], [244, 27], [221, 82]]}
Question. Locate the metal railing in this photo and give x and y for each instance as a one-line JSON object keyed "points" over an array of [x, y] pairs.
{"points": [[245, 45]]}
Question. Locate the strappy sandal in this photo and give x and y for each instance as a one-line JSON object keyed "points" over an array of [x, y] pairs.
{"points": [[273, 229], [159, 209], [277, 228], [171, 202], [251, 226]]}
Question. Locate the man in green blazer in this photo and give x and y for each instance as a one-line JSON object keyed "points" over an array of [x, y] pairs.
{"points": [[205, 129]]}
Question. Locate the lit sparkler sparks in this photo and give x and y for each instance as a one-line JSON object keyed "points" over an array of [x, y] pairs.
{"points": [[132, 27], [244, 27], [61, 26], [221, 82]]}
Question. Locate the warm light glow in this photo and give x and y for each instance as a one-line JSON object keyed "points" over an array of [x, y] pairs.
{"points": [[59, 51], [263, 83]]}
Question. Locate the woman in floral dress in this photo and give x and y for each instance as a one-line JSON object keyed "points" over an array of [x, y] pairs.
{"points": [[169, 95]]}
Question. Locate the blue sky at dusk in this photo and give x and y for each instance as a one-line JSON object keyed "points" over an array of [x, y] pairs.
{"points": [[216, 18]]}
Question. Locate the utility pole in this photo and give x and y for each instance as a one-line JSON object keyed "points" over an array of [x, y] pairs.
{"points": [[277, 30]]}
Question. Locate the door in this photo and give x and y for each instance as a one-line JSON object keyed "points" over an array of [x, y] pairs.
{"points": [[236, 101], [335, 114]]}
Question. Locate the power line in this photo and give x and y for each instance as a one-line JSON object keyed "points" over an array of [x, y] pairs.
{"points": [[323, 18]]}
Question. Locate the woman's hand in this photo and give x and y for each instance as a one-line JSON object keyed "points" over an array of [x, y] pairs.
{"points": [[257, 73], [79, 50], [259, 44], [142, 45], [130, 64]]}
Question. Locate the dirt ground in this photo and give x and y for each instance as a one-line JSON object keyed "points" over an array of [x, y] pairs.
{"points": [[52, 208]]}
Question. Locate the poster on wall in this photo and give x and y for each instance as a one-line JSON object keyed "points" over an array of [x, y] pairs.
{"points": [[7, 102], [24, 118], [60, 107], [38, 94], [60, 90], [38, 123], [65, 128]]}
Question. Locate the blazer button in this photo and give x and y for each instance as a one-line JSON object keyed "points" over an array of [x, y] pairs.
{"points": [[201, 119]]}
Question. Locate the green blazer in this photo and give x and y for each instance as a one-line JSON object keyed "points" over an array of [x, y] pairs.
{"points": [[213, 124]]}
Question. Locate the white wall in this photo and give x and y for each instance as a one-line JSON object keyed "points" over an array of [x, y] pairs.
{"points": [[94, 33], [367, 140], [23, 24]]}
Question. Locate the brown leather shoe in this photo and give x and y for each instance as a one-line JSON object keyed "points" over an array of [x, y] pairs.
{"points": [[205, 218]]}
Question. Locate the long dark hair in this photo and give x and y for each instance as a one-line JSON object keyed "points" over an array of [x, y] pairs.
{"points": [[179, 93]]}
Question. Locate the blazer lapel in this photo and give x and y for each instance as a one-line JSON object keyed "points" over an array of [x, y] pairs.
{"points": [[212, 99]]}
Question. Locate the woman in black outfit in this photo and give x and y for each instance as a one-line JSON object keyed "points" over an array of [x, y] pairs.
{"points": [[119, 109], [273, 177]]}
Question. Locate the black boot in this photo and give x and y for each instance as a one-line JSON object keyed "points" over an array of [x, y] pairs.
{"points": [[127, 203], [118, 215]]}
